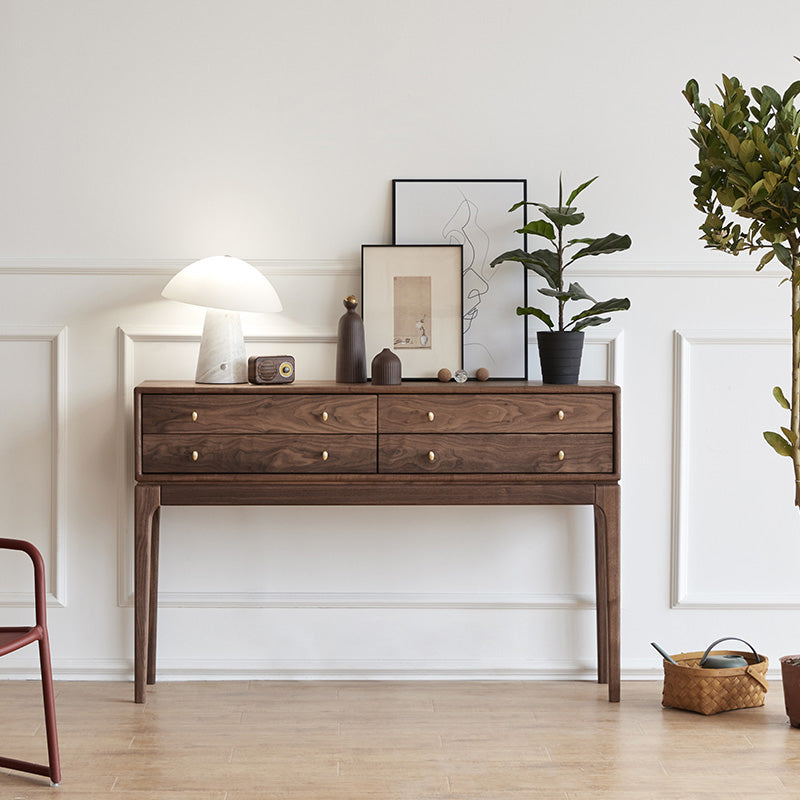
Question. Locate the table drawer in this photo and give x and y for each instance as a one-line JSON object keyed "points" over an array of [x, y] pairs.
{"points": [[498, 453], [496, 413], [258, 453], [290, 413]]}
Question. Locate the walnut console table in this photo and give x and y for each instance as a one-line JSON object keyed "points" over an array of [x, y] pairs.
{"points": [[493, 443]]}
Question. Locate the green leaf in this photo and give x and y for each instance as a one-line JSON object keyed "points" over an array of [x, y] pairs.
{"points": [[590, 321], [783, 253], [577, 191], [770, 94], [562, 216], [577, 292], [559, 295], [790, 436], [753, 169], [539, 228], [574, 292], [612, 243], [605, 307], [740, 202], [765, 259], [778, 394], [780, 445], [535, 312], [542, 262], [747, 151], [792, 92]]}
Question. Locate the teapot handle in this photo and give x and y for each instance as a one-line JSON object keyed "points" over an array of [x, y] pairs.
{"points": [[726, 639]]}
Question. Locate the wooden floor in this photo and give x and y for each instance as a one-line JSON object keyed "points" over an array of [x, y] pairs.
{"points": [[387, 741]]}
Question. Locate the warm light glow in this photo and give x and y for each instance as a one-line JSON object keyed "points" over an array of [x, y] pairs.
{"points": [[223, 282]]}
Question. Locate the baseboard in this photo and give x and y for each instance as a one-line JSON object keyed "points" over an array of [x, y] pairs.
{"points": [[183, 670]]}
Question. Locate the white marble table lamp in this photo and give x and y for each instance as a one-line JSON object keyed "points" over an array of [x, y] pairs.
{"points": [[224, 286]]}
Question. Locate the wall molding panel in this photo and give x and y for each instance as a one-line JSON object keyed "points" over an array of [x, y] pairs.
{"points": [[300, 268], [56, 337], [682, 594], [127, 339], [316, 267], [377, 600]]}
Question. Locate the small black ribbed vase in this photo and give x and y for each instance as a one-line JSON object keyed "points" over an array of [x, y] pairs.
{"points": [[351, 352], [560, 355]]}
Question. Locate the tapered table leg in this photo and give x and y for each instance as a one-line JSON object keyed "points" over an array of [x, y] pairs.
{"points": [[601, 593], [152, 626], [607, 520], [147, 501]]}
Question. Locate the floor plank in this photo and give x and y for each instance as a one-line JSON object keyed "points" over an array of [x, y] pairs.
{"points": [[286, 740]]}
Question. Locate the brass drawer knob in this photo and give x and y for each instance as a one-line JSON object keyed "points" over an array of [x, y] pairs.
{"points": [[324, 416], [430, 416], [431, 455], [194, 416], [560, 455], [195, 455], [324, 455], [561, 414]]}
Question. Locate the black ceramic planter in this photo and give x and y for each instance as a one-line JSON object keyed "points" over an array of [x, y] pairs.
{"points": [[560, 355]]}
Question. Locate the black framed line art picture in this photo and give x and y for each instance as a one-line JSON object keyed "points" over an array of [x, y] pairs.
{"points": [[475, 214], [411, 303]]}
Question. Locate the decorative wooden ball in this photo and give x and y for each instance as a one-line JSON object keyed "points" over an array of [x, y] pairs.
{"points": [[444, 375], [482, 374]]}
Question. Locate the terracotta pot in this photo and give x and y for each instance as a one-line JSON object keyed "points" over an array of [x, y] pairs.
{"points": [[790, 673]]}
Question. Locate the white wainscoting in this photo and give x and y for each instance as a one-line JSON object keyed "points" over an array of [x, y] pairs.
{"points": [[27, 376], [603, 361], [718, 412]]}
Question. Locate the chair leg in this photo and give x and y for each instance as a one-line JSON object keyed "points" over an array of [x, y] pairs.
{"points": [[48, 695]]}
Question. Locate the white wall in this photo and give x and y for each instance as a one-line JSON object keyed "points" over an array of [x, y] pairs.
{"points": [[137, 137]]}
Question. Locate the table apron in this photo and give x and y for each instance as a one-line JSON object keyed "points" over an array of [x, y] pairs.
{"points": [[400, 494]]}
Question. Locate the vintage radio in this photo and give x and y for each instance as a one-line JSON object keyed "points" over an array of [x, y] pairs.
{"points": [[270, 369]]}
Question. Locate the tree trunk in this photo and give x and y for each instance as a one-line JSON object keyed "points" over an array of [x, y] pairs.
{"points": [[795, 402]]}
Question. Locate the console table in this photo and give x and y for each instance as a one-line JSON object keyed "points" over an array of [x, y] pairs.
{"points": [[417, 443]]}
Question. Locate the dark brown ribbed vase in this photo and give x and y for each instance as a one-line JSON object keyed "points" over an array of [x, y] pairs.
{"points": [[351, 352], [386, 369]]}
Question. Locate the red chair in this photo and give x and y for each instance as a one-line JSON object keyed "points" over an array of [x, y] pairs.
{"points": [[12, 639]]}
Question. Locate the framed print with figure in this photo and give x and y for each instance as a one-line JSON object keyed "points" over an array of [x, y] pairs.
{"points": [[411, 303], [474, 214]]}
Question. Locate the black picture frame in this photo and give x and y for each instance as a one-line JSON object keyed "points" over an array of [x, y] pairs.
{"points": [[474, 213]]}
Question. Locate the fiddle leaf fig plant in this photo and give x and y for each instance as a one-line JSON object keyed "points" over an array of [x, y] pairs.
{"points": [[550, 262], [749, 167]]}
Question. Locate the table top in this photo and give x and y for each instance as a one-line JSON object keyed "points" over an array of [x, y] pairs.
{"points": [[407, 387]]}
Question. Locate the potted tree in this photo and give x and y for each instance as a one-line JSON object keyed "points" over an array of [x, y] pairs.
{"points": [[560, 349], [749, 167]]}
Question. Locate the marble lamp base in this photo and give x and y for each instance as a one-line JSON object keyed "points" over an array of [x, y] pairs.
{"points": [[222, 356]]}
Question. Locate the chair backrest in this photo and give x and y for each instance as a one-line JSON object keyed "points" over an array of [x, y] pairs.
{"points": [[39, 589]]}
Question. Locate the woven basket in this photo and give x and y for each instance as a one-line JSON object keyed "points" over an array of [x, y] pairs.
{"points": [[689, 686]]}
